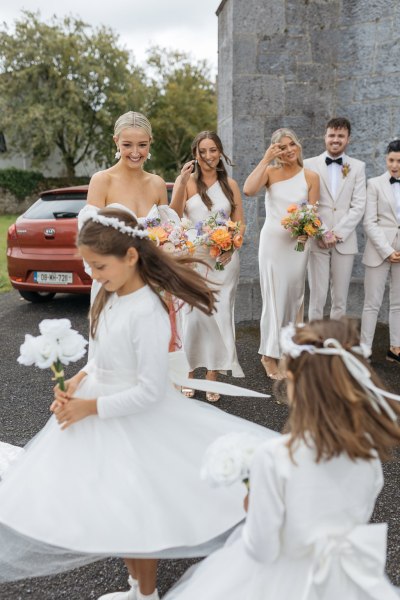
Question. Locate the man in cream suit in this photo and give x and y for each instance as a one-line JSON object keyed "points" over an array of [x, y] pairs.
{"points": [[341, 208], [382, 251]]}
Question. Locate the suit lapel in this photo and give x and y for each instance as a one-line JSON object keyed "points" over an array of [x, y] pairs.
{"points": [[388, 192], [323, 172], [342, 180]]}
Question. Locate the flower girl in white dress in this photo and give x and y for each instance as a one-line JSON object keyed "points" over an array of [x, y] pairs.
{"points": [[116, 471], [312, 491]]}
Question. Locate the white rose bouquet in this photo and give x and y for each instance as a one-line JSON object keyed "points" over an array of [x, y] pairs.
{"points": [[57, 345], [228, 459]]}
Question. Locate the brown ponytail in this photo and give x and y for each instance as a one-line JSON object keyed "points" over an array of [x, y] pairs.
{"points": [[158, 269]]}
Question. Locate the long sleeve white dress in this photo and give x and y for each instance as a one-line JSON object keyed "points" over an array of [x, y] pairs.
{"points": [[209, 341], [282, 268], [306, 536], [125, 482]]}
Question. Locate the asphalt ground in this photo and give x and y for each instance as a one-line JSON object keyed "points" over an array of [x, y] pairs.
{"points": [[25, 395]]}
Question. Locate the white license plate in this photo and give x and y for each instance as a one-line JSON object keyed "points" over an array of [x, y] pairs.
{"points": [[50, 277]]}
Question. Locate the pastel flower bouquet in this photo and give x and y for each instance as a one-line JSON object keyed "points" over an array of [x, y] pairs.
{"points": [[170, 236], [228, 459], [57, 345], [303, 219], [220, 235]]}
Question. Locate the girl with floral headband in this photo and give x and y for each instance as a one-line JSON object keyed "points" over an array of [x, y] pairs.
{"points": [[116, 471], [313, 490]]}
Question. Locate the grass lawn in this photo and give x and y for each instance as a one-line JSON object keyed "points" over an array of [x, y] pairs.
{"points": [[5, 222]]}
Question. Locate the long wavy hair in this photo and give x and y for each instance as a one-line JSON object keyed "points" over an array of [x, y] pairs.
{"points": [[222, 174], [329, 406], [158, 269]]}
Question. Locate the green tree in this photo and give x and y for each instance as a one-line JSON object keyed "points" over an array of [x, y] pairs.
{"points": [[62, 84], [181, 103]]}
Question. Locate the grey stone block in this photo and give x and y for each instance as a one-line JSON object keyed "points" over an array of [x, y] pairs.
{"points": [[373, 88], [245, 53], [362, 11], [253, 16], [256, 95]]}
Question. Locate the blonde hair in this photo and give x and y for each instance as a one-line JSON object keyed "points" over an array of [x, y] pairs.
{"points": [[158, 269], [284, 132], [329, 407], [132, 119]]}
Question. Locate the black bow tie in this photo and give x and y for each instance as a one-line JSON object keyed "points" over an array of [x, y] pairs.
{"points": [[394, 180], [329, 161]]}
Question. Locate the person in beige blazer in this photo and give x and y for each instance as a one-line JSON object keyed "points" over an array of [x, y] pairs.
{"points": [[382, 251], [341, 208]]}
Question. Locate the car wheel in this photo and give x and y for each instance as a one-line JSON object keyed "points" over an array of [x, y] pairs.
{"points": [[37, 296]]}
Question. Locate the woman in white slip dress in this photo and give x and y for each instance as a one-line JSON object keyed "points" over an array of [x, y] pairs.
{"points": [[209, 341], [282, 269], [307, 534]]}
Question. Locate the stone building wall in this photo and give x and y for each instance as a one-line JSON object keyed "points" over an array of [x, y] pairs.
{"points": [[297, 63]]}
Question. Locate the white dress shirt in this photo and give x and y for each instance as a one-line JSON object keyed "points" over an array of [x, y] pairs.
{"points": [[396, 193], [335, 174]]}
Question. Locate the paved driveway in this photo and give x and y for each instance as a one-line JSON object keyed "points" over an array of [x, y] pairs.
{"points": [[25, 394]]}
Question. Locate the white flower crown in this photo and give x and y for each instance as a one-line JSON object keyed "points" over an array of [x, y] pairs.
{"points": [[354, 366], [91, 214]]}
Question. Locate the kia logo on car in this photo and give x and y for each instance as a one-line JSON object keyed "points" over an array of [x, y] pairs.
{"points": [[49, 231]]}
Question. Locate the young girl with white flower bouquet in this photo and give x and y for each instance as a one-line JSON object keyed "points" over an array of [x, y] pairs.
{"points": [[115, 472], [312, 491]]}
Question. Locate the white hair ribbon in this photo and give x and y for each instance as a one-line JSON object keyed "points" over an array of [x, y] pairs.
{"points": [[354, 366]]}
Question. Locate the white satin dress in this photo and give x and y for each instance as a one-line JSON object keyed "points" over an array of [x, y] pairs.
{"points": [[282, 268], [127, 481], [209, 341], [306, 536]]}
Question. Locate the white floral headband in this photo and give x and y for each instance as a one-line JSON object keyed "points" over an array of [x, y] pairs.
{"points": [[91, 214], [355, 367]]}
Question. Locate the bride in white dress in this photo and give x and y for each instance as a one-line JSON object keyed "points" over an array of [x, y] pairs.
{"points": [[282, 269], [126, 182], [209, 341], [121, 478]]}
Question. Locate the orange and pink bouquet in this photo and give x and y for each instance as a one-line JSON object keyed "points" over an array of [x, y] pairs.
{"points": [[303, 219], [170, 236], [220, 235]]}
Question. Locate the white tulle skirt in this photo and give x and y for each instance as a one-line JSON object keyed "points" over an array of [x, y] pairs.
{"points": [[125, 487]]}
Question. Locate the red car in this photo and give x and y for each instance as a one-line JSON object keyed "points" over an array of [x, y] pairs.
{"points": [[42, 258]]}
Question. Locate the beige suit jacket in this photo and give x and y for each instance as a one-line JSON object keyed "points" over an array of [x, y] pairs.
{"points": [[342, 213], [380, 221]]}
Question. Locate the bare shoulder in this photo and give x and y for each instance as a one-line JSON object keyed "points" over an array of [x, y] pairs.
{"points": [[311, 176], [157, 181], [273, 174], [233, 183], [101, 177], [98, 188]]}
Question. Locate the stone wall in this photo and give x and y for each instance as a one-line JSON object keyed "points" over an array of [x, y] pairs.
{"points": [[297, 63]]}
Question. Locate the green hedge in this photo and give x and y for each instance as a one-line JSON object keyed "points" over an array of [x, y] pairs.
{"points": [[23, 183]]}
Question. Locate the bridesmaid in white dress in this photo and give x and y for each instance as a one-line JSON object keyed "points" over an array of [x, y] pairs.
{"points": [[282, 269], [209, 341]]}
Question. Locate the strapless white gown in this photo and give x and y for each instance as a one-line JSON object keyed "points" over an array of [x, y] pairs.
{"points": [[282, 268], [209, 341], [8, 454]]}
